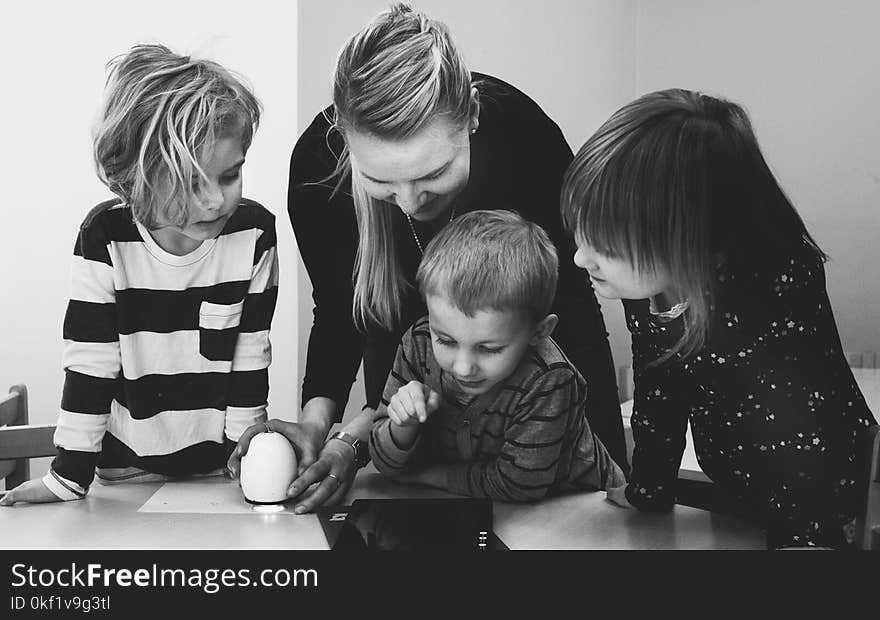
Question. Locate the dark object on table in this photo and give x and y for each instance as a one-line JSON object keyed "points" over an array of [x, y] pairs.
{"points": [[454, 524]]}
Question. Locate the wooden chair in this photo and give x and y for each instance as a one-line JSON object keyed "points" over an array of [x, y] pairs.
{"points": [[868, 523], [625, 383], [861, 359], [19, 441]]}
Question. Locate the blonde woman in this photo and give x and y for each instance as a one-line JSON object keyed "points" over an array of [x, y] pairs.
{"points": [[414, 139]]}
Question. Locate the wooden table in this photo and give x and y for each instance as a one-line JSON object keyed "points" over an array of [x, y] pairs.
{"points": [[109, 518]]}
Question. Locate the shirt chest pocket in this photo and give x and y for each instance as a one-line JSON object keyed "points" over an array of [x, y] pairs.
{"points": [[218, 330]]}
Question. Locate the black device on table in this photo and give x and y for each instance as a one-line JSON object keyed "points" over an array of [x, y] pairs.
{"points": [[447, 524]]}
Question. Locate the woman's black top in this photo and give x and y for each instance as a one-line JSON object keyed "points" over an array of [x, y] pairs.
{"points": [[518, 158]]}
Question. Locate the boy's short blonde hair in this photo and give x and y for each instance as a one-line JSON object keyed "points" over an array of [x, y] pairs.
{"points": [[161, 111], [491, 260]]}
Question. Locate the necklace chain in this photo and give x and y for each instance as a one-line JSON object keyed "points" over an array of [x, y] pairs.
{"points": [[416, 236]]}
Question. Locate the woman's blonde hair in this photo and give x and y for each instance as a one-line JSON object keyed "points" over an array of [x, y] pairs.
{"points": [[160, 111], [676, 180], [392, 79]]}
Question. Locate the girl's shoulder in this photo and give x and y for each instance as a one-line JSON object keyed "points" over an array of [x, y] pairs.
{"points": [[107, 222], [792, 267], [252, 214], [110, 220]]}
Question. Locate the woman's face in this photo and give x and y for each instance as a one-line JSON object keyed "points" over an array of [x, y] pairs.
{"points": [[421, 174]]}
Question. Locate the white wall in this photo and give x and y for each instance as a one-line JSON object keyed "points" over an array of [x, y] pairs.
{"points": [[53, 57], [575, 58], [807, 73]]}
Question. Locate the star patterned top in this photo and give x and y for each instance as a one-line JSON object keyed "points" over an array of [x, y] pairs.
{"points": [[774, 409]]}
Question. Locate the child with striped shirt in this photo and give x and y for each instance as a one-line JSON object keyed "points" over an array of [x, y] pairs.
{"points": [[481, 401], [173, 285]]}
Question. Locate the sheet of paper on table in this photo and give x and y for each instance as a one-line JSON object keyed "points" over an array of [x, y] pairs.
{"points": [[216, 495]]}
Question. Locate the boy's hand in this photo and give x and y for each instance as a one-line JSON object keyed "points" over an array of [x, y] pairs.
{"points": [[32, 491], [412, 404], [617, 495]]}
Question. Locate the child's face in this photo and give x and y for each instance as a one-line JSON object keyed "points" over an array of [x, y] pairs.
{"points": [[478, 351], [615, 278], [217, 199]]}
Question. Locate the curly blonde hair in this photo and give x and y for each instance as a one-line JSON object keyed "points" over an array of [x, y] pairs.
{"points": [[161, 111]]}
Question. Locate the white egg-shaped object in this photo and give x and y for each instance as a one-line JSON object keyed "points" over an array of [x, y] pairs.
{"points": [[267, 469]]}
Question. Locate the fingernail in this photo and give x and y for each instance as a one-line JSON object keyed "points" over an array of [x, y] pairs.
{"points": [[299, 510]]}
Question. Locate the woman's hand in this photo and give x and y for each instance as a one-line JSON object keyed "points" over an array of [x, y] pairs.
{"points": [[306, 439], [33, 492], [330, 477], [331, 467], [617, 495], [333, 474]]}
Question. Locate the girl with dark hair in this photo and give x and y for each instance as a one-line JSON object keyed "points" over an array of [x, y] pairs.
{"points": [[675, 211]]}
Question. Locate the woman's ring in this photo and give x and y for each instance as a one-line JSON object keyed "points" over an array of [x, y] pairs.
{"points": [[335, 478]]}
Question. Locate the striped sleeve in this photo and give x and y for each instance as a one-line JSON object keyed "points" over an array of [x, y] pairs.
{"points": [[526, 465], [409, 365], [249, 380], [91, 361]]}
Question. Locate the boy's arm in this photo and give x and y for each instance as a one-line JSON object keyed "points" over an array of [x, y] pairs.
{"points": [[249, 380], [525, 468], [91, 362], [389, 452]]}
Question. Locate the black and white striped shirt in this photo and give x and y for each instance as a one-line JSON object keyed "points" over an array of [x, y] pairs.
{"points": [[166, 357]]}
